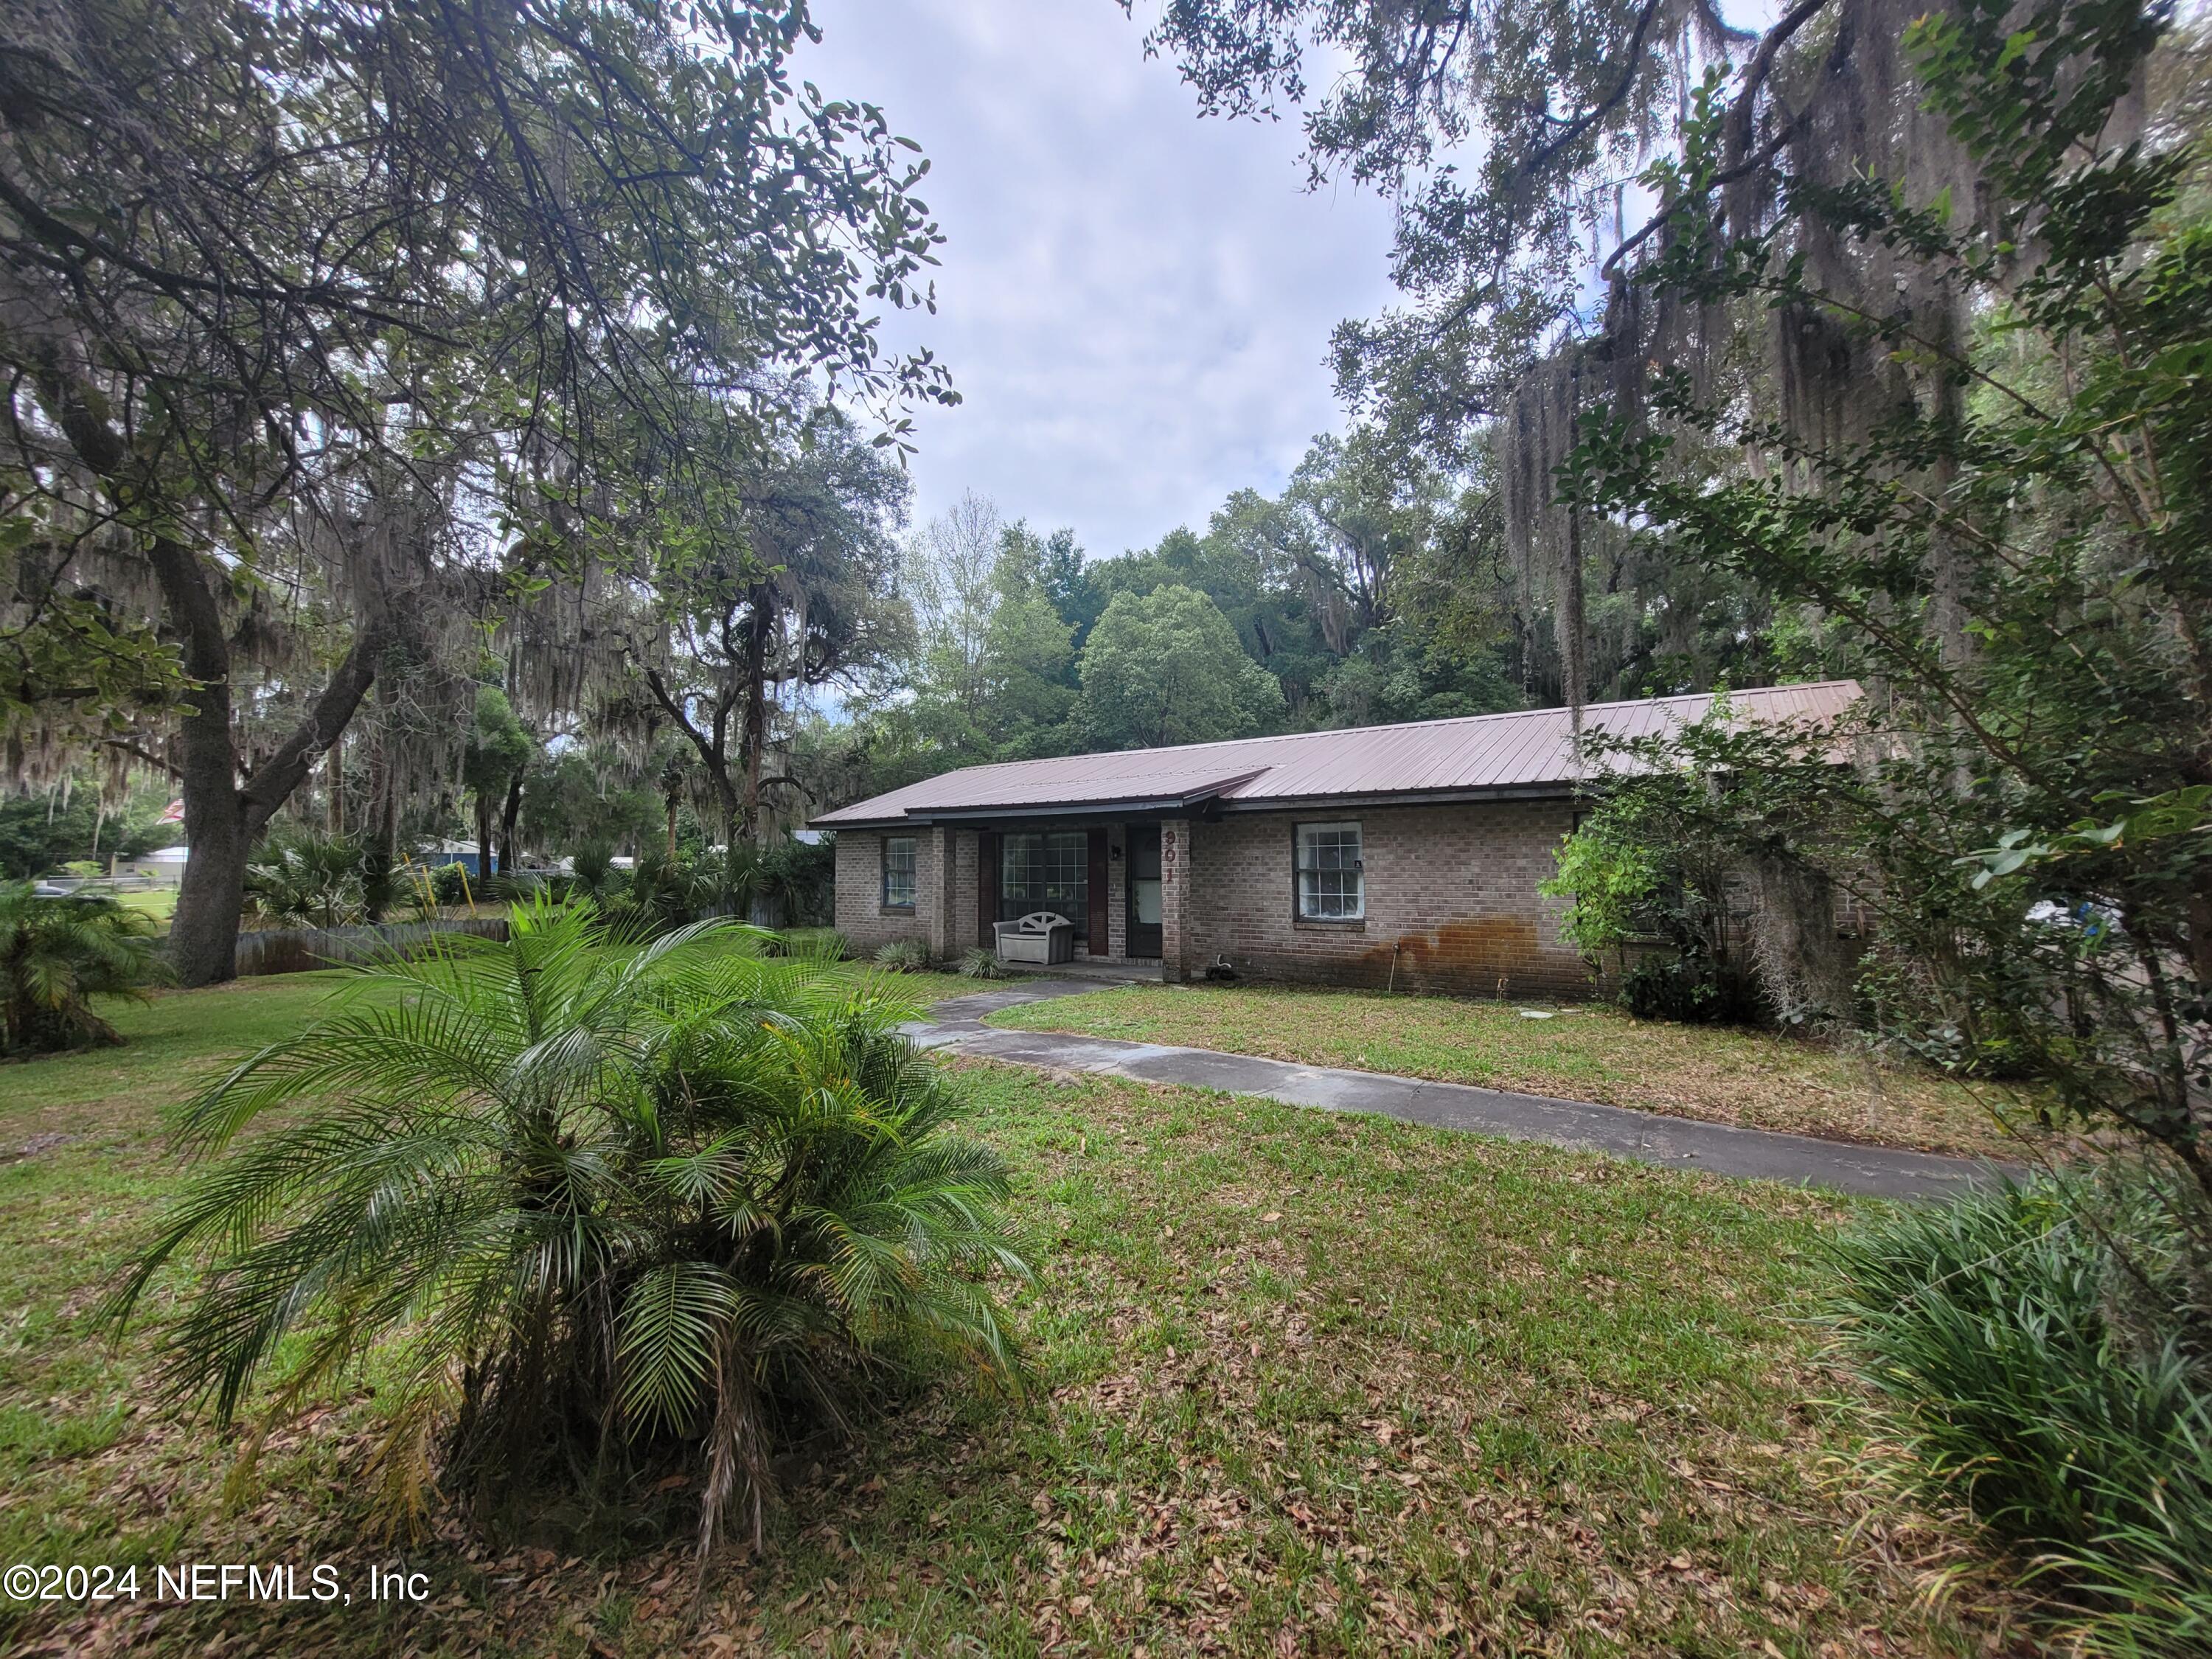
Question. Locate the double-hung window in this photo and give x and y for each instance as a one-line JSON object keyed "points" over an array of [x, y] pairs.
{"points": [[1331, 877], [898, 872]]}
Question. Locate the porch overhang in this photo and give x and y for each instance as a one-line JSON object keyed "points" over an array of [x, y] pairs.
{"points": [[1203, 804]]}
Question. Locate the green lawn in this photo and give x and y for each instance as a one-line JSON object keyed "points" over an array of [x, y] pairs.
{"points": [[1304, 1383], [159, 902], [1583, 1051]]}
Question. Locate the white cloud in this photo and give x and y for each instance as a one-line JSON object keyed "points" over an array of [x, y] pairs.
{"points": [[1134, 303]]}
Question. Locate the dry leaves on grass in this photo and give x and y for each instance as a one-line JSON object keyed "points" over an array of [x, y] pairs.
{"points": [[1306, 1386]]}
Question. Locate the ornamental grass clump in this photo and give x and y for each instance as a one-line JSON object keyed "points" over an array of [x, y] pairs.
{"points": [[602, 1215], [981, 962], [904, 956], [2041, 1351]]}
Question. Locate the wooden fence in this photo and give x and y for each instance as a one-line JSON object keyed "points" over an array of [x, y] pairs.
{"points": [[299, 950]]}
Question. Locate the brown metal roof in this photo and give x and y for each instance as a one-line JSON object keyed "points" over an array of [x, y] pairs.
{"points": [[1528, 751]]}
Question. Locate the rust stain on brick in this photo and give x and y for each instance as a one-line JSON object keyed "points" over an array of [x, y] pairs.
{"points": [[1472, 949]]}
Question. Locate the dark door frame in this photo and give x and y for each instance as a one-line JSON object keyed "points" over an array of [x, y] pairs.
{"points": [[1146, 939]]}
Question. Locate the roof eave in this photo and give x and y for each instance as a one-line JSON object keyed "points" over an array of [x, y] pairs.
{"points": [[1208, 803]]}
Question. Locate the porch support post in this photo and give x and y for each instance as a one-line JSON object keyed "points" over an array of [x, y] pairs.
{"points": [[1175, 958], [937, 897]]}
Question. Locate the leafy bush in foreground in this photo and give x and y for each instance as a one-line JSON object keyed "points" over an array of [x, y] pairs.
{"points": [[603, 1210], [2042, 1352], [826, 944], [55, 955]]}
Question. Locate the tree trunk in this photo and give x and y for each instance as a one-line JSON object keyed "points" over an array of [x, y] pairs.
{"points": [[220, 818], [483, 838], [387, 829], [712, 750], [203, 934], [212, 899], [507, 819], [756, 692], [672, 828]]}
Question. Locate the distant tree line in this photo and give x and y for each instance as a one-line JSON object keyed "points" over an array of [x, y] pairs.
{"points": [[1375, 587]]}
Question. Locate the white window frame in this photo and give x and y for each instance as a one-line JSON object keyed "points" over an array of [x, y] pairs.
{"points": [[1305, 835], [912, 871]]}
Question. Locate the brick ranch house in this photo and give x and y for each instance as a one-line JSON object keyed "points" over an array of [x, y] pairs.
{"points": [[1339, 857]]}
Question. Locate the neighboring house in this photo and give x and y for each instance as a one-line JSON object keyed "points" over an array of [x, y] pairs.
{"points": [[164, 866], [436, 854], [1406, 854]]}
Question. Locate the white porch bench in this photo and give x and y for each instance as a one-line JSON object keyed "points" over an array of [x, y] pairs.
{"points": [[1038, 939]]}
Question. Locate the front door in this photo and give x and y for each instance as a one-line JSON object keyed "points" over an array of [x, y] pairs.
{"points": [[1143, 889]]}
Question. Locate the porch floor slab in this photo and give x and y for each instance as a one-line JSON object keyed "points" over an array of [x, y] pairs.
{"points": [[1113, 970], [956, 1024]]}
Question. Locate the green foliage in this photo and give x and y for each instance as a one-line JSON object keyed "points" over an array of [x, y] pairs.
{"points": [[601, 1213], [450, 884], [799, 880], [498, 749], [981, 962], [791, 881], [307, 880], [2043, 1349], [55, 955], [904, 956], [41, 831], [662, 893], [592, 872], [786, 577], [1367, 592], [2020, 554], [1166, 668], [1645, 877], [825, 943], [1610, 874], [587, 797]]}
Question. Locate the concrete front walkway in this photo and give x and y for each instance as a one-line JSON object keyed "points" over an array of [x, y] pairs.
{"points": [[1679, 1142]]}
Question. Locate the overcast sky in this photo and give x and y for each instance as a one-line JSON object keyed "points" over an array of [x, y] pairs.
{"points": [[1134, 303]]}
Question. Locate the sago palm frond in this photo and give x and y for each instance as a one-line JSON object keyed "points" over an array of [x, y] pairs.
{"points": [[685, 1188]]}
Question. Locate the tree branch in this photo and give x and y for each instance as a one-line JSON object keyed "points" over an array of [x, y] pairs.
{"points": [[1589, 118]]}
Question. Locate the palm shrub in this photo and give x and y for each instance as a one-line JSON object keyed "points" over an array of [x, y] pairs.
{"points": [[311, 881], [594, 875], [600, 1211], [825, 942], [799, 878], [662, 893], [55, 955], [2043, 1350]]}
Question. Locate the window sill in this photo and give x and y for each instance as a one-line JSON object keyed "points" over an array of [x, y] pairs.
{"points": [[1331, 924], [895, 909]]}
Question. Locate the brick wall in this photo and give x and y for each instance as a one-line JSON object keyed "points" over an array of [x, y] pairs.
{"points": [[964, 931], [1181, 923], [1450, 892], [861, 915], [1117, 893]]}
